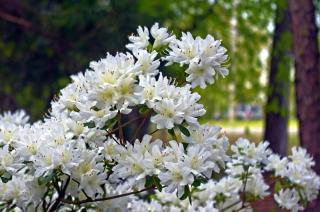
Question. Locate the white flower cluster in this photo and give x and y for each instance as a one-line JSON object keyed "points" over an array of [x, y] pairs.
{"points": [[81, 156], [176, 166], [204, 57], [244, 178], [300, 183]]}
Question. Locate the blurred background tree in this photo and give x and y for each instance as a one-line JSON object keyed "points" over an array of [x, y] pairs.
{"points": [[44, 42], [307, 78], [278, 90]]}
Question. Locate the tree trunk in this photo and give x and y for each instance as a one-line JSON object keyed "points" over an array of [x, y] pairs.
{"points": [[277, 108], [307, 78]]}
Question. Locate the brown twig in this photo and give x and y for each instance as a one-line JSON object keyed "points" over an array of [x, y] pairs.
{"points": [[244, 187], [106, 198], [230, 206], [60, 198], [154, 131], [111, 135], [16, 20], [123, 125], [138, 129], [121, 136]]}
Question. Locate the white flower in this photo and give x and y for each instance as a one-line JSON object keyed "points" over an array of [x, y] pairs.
{"points": [[7, 133], [89, 160], [156, 157], [34, 190], [191, 109], [17, 190], [91, 182], [184, 51], [209, 207], [133, 166], [312, 186], [224, 193], [140, 41], [297, 174], [176, 177], [174, 152], [212, 53], [206, 135], [28, 141], [288, 199], [70, 95], [300, 157], [44, 161], [197, 159], [228, 186], [160, 35], [143, 146], [167, 115], [279, 166], [256, 186], [139, 160], [9, 160], [249, 153], [110, 149], [117, 204], [204, 57], [18, 118], [146, 63], [68, 157], [148, 92], [88, 112]]}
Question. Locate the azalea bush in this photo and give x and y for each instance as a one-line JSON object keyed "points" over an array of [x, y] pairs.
{"points": [[81, 157]]}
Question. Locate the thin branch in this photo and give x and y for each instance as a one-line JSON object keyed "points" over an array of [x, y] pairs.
{"points": [[138, 130], [123, 125], [244, 187], [64, 189], [25, 24], [113, 138], [106, 198], [16, 20], [83, 191], [230, 206], [154, 131], [121, 136], [60, 197]]}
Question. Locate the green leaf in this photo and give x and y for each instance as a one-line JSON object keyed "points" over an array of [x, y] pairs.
{"points": [[153, 181], [186, 194], [185, 145], [5, 176], [172, 133], [149, 181], [277, 186], [184, 130], [45, 180], [110, 123], [157, 183], [198, 181], [144, 110], [90, 124]]}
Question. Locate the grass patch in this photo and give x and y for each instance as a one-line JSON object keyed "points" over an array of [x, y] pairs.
{"points": [[254, 135]]}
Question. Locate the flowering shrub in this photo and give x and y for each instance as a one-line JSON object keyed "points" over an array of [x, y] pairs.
{"points": [[79, 157]]}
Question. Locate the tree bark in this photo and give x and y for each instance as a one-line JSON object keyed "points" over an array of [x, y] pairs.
{"points": [[307, 79], [277, 108]]}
